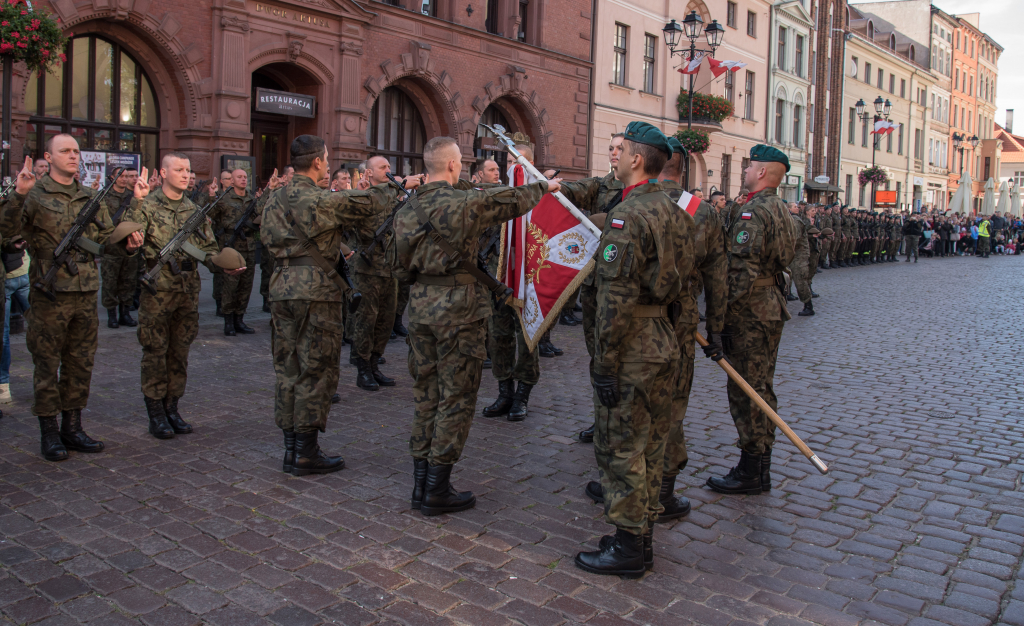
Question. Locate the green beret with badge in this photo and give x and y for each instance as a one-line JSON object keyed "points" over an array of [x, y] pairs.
{"points": [[642, 132], [767, 154]]}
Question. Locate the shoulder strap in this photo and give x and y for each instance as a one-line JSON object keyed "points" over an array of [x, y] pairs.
{"points": [[309, 246]]}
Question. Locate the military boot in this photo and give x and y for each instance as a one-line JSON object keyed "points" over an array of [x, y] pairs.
{"points": [[364, 375], [135, 299], [112, 318], [623, 556], [594, 492], [240, 326], [178, 425], [744, 478], [522, 398], [125, 318], [229, 324], [399, 328], [502, 405], [545, 349], [439, 496], [766, 469], [648, 547], [220, 312], [808, 309], [266, 305], [379, 376], [310, 459], [289, 451], [158, 426], [419, 482], [50, 444], [674, 507], [72, 435], [587, 436], [555, 349]]}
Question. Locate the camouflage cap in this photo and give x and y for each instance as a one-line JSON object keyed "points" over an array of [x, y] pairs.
{"points": [[767, 154], [642, 132], [677, 147]]}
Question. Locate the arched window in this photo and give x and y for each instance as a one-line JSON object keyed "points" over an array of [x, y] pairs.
{"points": [[396, 131], [101, 96], [492, 115]]}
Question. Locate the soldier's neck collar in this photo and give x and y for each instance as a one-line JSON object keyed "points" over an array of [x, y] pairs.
{"points": [[646, 181]]}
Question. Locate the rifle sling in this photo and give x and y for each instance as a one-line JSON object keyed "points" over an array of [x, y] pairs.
{"points": [[313, 253], [482, 277]]}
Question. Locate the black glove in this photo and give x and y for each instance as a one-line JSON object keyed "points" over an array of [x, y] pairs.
{"points": [[714, 349], [607, 387]]}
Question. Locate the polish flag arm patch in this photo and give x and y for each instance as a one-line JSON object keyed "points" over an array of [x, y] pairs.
{"points": [[617, 223], [746, 216], [688, 203]]}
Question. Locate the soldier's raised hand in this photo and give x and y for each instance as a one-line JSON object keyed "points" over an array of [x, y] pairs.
{"points": [[95, 184], [364, 181], [26, 179], [142, 185], [275, 182], [212, 189]]}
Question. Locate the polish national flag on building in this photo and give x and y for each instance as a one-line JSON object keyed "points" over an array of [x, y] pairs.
{"points": [[692, 66], [689, 203], [884, 127], [721, 67]]}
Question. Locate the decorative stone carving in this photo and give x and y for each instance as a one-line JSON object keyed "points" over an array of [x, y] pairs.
{"points": [[231, 22]]}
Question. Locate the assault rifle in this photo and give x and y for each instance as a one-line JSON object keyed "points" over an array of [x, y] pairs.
{"points": [[354, 297], [180, 242], [6, 191], [199, 189], [63, 254], [489, 248], [243, 222], [385, 228], [125, 203]]}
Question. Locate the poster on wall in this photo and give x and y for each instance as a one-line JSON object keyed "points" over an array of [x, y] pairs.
{"points": [[95, 166]]}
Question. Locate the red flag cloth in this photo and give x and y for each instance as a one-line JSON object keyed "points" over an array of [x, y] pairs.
{"points": [[692, 66], [721, 67]]}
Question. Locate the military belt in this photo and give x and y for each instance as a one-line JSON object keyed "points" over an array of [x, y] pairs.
{"points": [[187, 265], [446, 280], [299, 261], [650, 310], [765, 282]]}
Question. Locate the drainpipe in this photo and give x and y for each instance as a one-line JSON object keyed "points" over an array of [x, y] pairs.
{"points": [[593, 68], [771, 70]]}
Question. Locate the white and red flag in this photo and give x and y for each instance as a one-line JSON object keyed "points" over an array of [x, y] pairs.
{"points": [[692, 66], [721, 67], [545, 256], [689, 203], [884, 127]]}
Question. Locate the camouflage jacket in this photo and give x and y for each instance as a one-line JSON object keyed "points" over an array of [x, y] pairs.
{"points": [[112, 201], [322, 215], [162, 223], [645, 258], [760, 244], [709, 264], [226, 213], [461, 214], [43, 217], [801, 250], [594, 195], [360, 235]]}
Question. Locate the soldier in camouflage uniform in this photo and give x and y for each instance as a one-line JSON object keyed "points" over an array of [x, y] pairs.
{"points": [[644, 259], [448, 309], [169, 320], [218, 276], [61, 333], [761, 245], [119, 270], [306, 299], [798, 266], [236, 289]]}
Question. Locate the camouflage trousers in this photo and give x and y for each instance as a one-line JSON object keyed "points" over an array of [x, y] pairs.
{"points": [[120, 276], [305, 340], [588, 301], [511, 359], [798, 272], [629, 444], [446, 363], [373, 320], [675, 448], [402, 300], [266, 269], [218, 285], [61, 337], [752, 348], [168, 324], [812, 265], [912, 246], [237, 289]]}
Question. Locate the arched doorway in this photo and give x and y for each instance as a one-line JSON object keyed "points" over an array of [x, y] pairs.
{"points": [[491, 116], [272, 133], [101, 96], [396, 132]]}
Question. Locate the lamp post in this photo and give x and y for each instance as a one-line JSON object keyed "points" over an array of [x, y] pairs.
{"points": [[882, 110], [692, 28], [958, 145]]}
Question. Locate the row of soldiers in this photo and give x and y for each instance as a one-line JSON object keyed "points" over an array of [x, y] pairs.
{"points": [[858, 237]]}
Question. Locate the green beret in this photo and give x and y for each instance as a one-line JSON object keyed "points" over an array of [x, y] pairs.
{"points": [[642, 132], [768, 154], [677, 147]]}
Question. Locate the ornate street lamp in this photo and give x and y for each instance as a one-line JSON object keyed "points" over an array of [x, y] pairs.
{"points": [[882, 110]]}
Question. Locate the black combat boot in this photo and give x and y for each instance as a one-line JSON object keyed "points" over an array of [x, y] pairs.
{"points": [[266, 305], [766, 469], [220, 312], [814, 295], [125, 319], [568, 319], [545, 349], [112, 318], [336, 398], [674, 507], [378, 376], [439, 496], [594, 492], [555, 349], [240, 326], [178, 425], [502, 405], [399, 328], [623, 556], [381, 360], [364, 375], [135, 299], [158, 426], [72, 435], [289, 451], [522, 398], [419, 482], [648, 547], [808, 309], [310, 459], [790, 297], [229, 324], [744, 478], [49, 440], [587, 436], [487, 363]]}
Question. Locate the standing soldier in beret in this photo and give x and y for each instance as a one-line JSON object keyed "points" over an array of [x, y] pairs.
{"points": [[644, 261], [802, 252], [119, 270], [302, 227], [169, 320], [61, 332], [760, 245]]}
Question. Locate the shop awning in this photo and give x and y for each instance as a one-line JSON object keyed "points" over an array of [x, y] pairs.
{"points": [[824, 187]]}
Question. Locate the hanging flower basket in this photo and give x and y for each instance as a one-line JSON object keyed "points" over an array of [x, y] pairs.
{"points": [[31, 36], [695, 141], [875, 175], [705, 107]]}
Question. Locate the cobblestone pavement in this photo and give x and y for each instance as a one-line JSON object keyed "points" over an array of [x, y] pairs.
{"points": [[904, 382]]}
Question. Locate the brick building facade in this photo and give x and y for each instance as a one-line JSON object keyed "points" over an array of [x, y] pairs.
{"points": [[149, 77]]}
